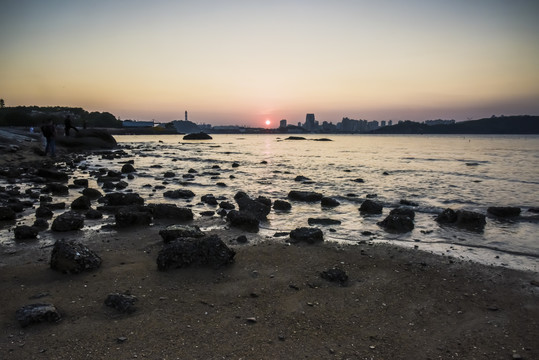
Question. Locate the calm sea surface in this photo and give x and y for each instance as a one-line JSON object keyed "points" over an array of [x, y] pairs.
{"points": [[436, 172]]}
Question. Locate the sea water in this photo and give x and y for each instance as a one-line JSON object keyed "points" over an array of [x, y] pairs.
{"points": [[466, 172]]}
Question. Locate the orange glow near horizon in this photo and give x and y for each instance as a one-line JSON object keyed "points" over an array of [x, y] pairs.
{"points": [[245, 63]]}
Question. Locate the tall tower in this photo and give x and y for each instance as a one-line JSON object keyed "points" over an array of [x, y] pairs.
{"points": [[185, 115], [309, 121]]}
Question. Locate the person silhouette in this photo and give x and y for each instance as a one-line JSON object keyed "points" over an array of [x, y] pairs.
{"points": [[69, 126]]}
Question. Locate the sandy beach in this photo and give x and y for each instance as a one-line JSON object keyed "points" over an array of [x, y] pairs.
{"points": [[271, 303]]}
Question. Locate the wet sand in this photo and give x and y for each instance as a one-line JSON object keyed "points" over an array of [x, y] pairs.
{"points": [[271, 303]]}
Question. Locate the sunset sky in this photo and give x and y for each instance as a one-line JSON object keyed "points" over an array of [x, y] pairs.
{"points": [[243, 62]]}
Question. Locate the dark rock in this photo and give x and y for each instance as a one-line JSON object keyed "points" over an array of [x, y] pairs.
{"points": [[462, 218], [73, 257], [282, 205], [68, 221], [335, 275], [242, 239], [94, 214], [504, 211], [243, 220], [171, 211], [226, 205], [256, 208], [397, 223], [408, 202], [122, 199], [81, 182], [7, 213], [169, 174], [44, 212], [305, 234], [235, 165], [124, 303], [210, 251], [173, 232], [52, 174], [197, 136], [221, 184], [128, 168], [25, 232], [207, 213], [295, 138], [56, 189], [92, 194], [329, 202], [403, 212], [132, 216], [179, 194], [57, 206], [264, 200], [41, 224], [36, 313], [371, 207], [358, 180], [222, 212], [307, 196], [209, 199], [108, 185], [301, 178], [81, 203], [90, 139], [281, 234], [372, 196], [121, 185], [323, 221]]}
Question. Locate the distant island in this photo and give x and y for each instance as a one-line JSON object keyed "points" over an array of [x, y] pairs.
{"points": [[523, 124], [33, 116]]}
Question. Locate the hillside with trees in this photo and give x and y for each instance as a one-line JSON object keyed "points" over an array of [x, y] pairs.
{"points": [[35, 116], [521, 124]]}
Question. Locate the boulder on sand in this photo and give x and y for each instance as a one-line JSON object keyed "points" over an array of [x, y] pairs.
{"points": [[73, 257], [171, 211], [173, 232], [36, 313], [68, 221], [306, 234], [185, 252], [243, 220]]}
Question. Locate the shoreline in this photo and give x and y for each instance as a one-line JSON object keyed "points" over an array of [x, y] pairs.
{"points": [[271, 303], [398, 303]]}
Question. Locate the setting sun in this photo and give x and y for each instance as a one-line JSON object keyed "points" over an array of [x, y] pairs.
{"points": [[268, 122]]}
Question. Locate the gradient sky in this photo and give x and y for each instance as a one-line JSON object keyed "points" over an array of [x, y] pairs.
{"points": [[242, 62]]}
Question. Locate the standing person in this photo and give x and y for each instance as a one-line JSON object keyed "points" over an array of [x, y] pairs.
{"points": [[68, 125], [49, 132]]}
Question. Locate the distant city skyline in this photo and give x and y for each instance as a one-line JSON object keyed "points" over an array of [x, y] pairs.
{"points": [[249, 62]]}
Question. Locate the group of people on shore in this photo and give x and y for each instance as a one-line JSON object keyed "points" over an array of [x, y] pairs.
{"points": [[48, 130]]}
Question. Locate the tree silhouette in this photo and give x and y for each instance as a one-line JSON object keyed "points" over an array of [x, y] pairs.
{"points": [[2, 104]]}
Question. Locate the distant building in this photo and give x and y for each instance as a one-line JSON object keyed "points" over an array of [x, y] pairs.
{"points": [[282, 123], [383, 123], [309, 122], [390, 122], [137, 124]]}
